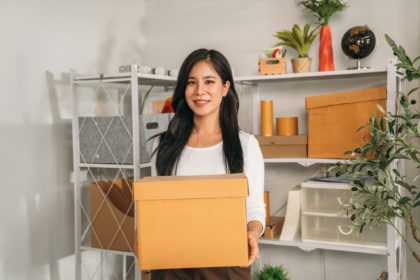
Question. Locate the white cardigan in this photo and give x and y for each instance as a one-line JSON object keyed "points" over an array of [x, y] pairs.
{"points": [[209, 161]]}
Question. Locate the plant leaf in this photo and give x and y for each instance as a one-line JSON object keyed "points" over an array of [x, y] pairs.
{"points": [[404, 200]]}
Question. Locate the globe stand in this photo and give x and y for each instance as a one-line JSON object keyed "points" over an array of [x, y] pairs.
{"points": [[358, 66]]}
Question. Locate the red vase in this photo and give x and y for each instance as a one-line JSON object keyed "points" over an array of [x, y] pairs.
{"points": [[167, 107], [326, 56]]}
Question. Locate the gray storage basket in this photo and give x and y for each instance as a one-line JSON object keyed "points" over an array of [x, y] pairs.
{"points": [[108, 140]]}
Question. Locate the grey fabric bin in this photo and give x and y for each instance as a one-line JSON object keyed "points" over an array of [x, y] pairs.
{"points": [[117, 147]]}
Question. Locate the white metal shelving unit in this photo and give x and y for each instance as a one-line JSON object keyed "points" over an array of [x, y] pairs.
{"points": [[128, 84], [133, 80], [394, 249]]}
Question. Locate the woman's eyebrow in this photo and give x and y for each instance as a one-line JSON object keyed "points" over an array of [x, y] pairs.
{"points": [[205, 77]]}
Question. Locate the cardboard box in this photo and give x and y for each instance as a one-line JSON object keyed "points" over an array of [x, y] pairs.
{"points": [[283, 146], [191, 221], [334, 118], [111, 206], [274, 227]]}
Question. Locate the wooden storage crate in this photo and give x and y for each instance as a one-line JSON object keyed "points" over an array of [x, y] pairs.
{"points": [[272, 66]]}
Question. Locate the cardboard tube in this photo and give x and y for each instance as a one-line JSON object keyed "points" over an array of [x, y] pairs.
{"points": [[287, 126], [267, 117], [267, 207]]}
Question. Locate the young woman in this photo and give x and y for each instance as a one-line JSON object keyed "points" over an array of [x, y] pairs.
{"points": [[204, 138]]}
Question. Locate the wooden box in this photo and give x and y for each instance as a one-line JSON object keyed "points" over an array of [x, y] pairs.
{"points": [[274, 227], [333, 120], [272, 66], [294, 146]]}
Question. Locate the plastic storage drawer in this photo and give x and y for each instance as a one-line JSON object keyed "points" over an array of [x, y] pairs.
{"points": [[336, 229], [324, 197]]}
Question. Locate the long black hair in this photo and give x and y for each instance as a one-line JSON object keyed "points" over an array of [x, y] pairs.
{"points": [[173, 141]]}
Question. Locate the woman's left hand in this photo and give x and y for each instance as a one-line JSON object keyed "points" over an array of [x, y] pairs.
{"points": [[254, 251], [253, 234]]}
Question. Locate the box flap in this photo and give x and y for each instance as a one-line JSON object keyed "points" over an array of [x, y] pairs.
{"points": [[283, 140], [345, 97], [187, 187]]}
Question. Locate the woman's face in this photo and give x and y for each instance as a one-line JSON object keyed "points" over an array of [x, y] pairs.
{"points": [[205, 89]]}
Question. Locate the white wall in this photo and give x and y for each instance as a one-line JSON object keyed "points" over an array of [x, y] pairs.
{"points": [[42, 40]]}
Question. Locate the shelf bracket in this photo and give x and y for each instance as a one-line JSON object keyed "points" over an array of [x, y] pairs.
{"points": [[306, 249], [305, 163]]}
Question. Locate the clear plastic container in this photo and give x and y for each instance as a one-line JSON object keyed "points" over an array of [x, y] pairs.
{"points": [[325, 200], [338, 229]]}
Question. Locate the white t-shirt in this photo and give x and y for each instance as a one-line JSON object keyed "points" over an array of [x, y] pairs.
{"points": [[209, 161]]}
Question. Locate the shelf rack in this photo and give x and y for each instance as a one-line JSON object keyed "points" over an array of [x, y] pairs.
{"points": [[393, 249], [130, 81], [134, 79]]}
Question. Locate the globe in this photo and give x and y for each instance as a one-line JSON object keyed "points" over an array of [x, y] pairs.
{"points": [[358, 42]]}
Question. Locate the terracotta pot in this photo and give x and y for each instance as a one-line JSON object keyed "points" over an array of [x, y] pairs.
{"points": [[301, 64], [326, 56]]}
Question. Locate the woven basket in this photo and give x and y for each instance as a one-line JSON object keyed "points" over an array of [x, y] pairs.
{"points": [[301, 65]]}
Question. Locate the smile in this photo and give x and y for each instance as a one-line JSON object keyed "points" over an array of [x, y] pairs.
{"points": [[201, 101]]}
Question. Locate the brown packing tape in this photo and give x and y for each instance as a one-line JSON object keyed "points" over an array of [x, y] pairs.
{"points": [[376, 93]]}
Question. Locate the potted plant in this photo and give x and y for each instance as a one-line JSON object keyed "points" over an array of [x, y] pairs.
{"points": [[381, 195], [323, 10], [271, 273], [301, 42]]}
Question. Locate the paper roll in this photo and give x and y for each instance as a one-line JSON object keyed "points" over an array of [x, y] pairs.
{"points": [[267, 207], [267, 117], [287, 126]]}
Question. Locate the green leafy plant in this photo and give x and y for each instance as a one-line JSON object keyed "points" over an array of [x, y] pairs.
{"points": [[324, 9], [381, 195], [298, 40], [271, 273]]}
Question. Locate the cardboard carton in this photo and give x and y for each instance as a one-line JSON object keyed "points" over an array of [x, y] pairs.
{"points": [[111, 215], [283, 146], [191, 221], [333, 120], [273, 228]]}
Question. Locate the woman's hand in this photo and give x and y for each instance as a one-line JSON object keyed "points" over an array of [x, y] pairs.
{"points": [[254, 231]]}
